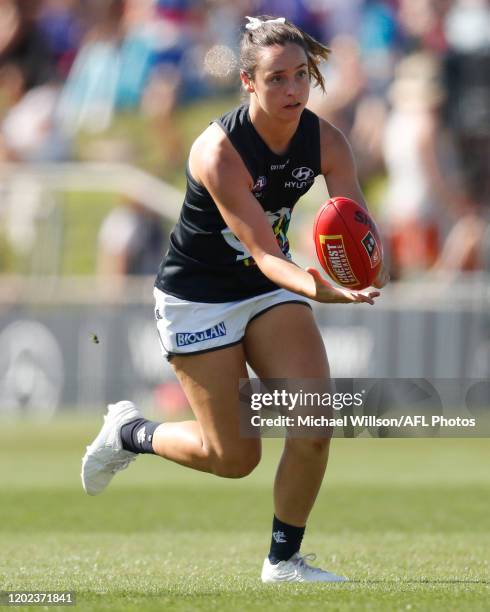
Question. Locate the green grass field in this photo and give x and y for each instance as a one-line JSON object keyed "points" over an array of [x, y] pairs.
{"points": [[407, 520]]}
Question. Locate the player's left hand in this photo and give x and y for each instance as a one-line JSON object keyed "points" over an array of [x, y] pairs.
{"points": [[382, 279]]}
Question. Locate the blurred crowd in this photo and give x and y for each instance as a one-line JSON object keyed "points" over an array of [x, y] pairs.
{"points": [[408, 82]]}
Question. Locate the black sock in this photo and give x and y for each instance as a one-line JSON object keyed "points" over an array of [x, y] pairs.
{"points": [[137, 436], [286, 540]]}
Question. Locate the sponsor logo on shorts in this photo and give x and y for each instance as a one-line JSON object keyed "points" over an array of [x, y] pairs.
{"points": [[371, 246], [187, 338], [336, 260], [304, 176]]}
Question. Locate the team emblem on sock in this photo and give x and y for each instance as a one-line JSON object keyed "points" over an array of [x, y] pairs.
{"points": [[279, 537]]}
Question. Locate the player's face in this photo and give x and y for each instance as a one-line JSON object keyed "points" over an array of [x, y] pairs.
{"points": [[282, 82]]}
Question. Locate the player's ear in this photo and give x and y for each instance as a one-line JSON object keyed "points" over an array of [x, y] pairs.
{"points": [[247, 81]]}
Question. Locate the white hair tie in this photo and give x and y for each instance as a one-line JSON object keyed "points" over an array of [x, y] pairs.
{"points": [[255, 22]]}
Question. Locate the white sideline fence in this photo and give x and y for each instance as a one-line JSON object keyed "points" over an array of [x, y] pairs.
{"points": [[119, 178]]}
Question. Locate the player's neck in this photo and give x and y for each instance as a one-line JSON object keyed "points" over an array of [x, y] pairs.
{"points": [[276, 134]]}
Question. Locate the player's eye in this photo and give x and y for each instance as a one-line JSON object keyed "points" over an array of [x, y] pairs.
{"points": [[302, 74], [277, 78]]}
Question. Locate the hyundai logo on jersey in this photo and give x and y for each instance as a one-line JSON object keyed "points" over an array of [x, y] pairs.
{"points": [[303, 173], [304, 178], [187, 338]]}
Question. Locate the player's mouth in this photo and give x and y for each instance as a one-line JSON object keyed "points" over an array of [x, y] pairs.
{"points": [[295, 105]]}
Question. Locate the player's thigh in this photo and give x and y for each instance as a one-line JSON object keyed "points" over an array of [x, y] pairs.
{"points": [[285, 342], [211, 383]]}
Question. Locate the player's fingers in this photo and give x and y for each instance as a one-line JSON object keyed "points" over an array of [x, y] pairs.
{"points": [[364, 299], [347, 296], [367, 298], [316, 275]]}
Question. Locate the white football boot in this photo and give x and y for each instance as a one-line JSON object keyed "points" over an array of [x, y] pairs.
{"points": [[106, 456], [297, 570]]}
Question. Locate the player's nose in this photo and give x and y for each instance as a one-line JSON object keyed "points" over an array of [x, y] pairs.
{"points": [[291, 88]]}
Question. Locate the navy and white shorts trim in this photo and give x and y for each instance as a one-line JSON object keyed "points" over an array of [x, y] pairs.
{"points": [[187, 328]]}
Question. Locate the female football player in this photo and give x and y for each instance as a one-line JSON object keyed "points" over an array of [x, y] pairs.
{"points": [[228, 294]]}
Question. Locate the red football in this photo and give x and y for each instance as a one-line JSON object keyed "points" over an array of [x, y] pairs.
{"points": [[347, 243]]}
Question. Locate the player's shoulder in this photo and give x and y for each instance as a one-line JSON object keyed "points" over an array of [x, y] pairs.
{"points": [[212, 138], [336, 151], [213, 157], [331, 136]]}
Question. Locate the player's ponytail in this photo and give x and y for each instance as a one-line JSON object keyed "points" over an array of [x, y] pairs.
{"points": [[265, 31]]}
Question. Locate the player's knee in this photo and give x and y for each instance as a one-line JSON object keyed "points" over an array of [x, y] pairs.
{"points": [[320, 445], [233, 464], [310, 446]]}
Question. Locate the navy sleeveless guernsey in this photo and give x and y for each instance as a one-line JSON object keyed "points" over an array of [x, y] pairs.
{"points": [[206, 262]]}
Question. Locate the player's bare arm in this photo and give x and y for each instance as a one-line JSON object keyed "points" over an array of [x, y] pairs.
{"points": [[339, 171], [215, 163], [338, 166]]}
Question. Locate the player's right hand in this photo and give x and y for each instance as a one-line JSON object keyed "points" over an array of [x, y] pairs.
{"points": [[327, 293]]}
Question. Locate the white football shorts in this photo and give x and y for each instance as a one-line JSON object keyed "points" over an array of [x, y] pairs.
{"points": [[187, 328]]}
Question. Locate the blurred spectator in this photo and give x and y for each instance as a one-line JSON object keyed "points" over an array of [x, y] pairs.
{"points": [[467, 25], [304, 13], [62, 25], [26, 106], [366, 137], [89, 94], [422, 193], [28, 130], [141, 36], [131, 241], [345, 83], [422, 22], [23, 44], [350, 106], [467, 72], [378, 40], [342, 18], [466, 248]]}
